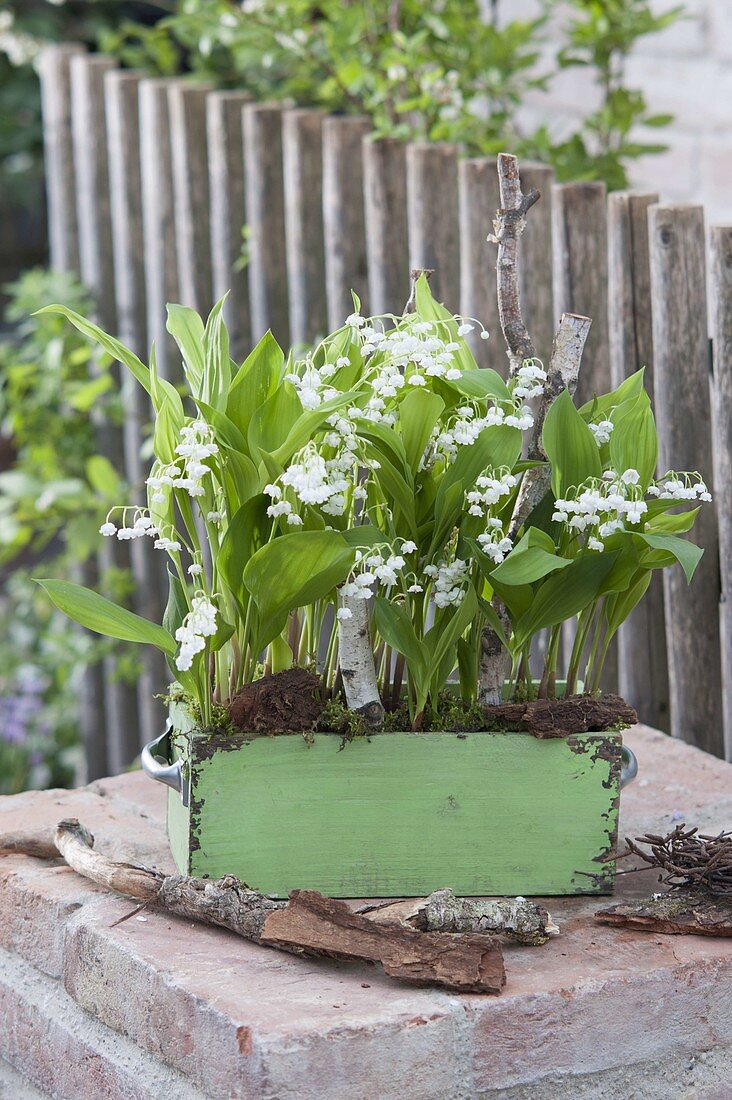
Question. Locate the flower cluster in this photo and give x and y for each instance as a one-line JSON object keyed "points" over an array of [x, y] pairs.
{"points": [[528, 382], [489, 492], [602, 431], [199, 624], [448, 581], [603, 507], [494, 544], [198, 445], [312, 385], [680, 487], [379, 566], [140, 527]]}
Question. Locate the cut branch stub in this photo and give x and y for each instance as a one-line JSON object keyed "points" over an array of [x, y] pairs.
{"points": [[356, 660]]}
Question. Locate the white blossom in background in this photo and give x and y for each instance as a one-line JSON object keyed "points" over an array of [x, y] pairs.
{"points": [[602, 431], [448, 581], [199, 624], [680, 487]]}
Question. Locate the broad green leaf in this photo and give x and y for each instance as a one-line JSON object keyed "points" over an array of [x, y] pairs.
{"points": [[673, 523], [687, 554], [255, 381], [217, 364], [533, 557], [103, 477], [112, 346], [186, 328], [96, 613], [599, 407], [367, 534], [569, 445], [272, 422], [394, 624], [483, 384], [293, 571], [564, 594], [248, 530], [428, 309], [241, 479], [441, 638], [634, 440], [226, 430], [307, 424], [419, 412]]}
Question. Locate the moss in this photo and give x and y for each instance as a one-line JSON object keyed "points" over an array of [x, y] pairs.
{"points": [[337, 718]]}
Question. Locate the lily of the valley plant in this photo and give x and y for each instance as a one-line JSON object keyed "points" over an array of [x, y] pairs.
{"points": [[367, 512]]}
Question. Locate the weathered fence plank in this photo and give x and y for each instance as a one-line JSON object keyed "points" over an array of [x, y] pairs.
{"points": [[121, 91], [434, 223], [265, 204], [479, 200], [228, 214], [721, 279], [161, 264], [343, 216], [642, 659], [89, 130], [537, 250], [387, 239], [189, 145], [53, 66], [302, 157], [681, 388]]}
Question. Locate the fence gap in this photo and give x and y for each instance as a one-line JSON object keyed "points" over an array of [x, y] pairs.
{"points": [[89, 131], [121, 91], [228, 215], [265, 204], [302, 156], [63, 230], [385, 206], [681, 388], [343, 216], [479, 199], [721, 278], [434, 224], [642, 658], [160, 256]]}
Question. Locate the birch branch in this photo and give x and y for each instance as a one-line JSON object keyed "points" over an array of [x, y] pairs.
{"points": [[356, 660], [508, 226], [307, 924]]}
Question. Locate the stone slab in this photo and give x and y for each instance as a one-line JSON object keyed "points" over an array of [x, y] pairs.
{"points": [[598, 1007]]}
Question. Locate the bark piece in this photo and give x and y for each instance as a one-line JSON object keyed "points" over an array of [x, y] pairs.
{"points": [[356, 661], [563, 717], [690, 912], [465, 962], [307, 924], [516, 919], [286, 702]]}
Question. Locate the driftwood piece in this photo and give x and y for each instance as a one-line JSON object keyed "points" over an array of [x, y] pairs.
{"points": [[690, 912], [546, 718], [467, 962], [516, 919], [308, 924]]}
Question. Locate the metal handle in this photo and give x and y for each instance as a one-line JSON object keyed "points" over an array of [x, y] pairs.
{"points": [[154, 760], [628, 767]]}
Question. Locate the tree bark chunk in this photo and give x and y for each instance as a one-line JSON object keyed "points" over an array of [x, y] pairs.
{"points": [[562, 717], [465, 962], [679, 912]]}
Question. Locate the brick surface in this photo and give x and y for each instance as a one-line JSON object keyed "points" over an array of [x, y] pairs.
{"points": [[596, 1005]]}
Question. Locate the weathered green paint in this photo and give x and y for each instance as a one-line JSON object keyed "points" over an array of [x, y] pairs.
{"points": [[402, 814]]}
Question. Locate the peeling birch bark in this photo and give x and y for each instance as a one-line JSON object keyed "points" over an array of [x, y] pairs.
{"points": [[356, 661]]}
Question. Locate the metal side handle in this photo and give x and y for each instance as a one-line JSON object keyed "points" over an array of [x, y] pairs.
{"points": [[628, 766], [154, 760]]}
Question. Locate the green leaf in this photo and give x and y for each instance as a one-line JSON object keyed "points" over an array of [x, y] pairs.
{"points": [[394, 625], [96, 613], [217, 364], [634, 440], [272, 422], [569, 445], [307, 424], [686, 553], [112, 346], [419, 412], [483, 384], [441, 638], [248, 530], [294, 571], [533, 557], [600, 407], [255, 381], [564, 594], [186, 328], [619, 606], [103, 477], [674, 523]]}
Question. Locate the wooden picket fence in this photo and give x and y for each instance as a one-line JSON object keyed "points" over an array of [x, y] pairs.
{"points": [[150, 182]]}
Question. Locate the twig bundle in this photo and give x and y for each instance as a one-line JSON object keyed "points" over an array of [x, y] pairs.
{"points": [[688, 858]]}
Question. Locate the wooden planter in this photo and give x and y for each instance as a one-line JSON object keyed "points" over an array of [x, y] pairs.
{"points": [[397, 814]]}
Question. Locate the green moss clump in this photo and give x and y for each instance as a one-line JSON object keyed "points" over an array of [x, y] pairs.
{"points": [[337, 718]]}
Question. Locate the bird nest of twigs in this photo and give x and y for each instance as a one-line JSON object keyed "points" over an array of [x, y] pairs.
{"points": [[688, 859]]}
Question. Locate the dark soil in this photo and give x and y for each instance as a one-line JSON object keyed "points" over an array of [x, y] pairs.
{"points": [[287, 702], [291, 702]]}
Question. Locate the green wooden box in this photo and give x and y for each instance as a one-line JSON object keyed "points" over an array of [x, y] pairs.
{"points": [[398, 814]]}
